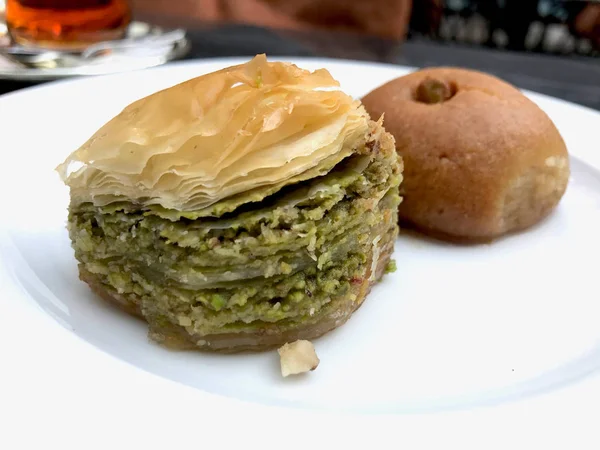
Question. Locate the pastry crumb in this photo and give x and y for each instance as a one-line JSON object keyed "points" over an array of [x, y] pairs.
{"points": [[391, 266], [297, 357]]}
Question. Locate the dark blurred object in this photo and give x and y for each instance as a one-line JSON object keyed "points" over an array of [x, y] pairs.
{"points": [[427, 16], [547, 26], [587, 24]]}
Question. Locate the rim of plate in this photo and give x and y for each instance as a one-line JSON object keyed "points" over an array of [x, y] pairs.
{"points": [[96, 368]]}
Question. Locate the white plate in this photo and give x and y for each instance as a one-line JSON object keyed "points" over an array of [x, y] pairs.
{"points": [[459, 338]]}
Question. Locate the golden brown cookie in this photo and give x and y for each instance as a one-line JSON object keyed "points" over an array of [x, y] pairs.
{"points": [[480, 158]]}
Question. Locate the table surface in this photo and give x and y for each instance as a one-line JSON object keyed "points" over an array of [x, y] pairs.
{"points": [[576, 79]]}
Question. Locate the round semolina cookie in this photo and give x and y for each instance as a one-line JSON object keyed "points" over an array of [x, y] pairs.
{"points": [[480, 159]]}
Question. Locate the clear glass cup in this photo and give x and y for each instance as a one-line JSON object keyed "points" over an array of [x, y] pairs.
{"points": [[66, 24]]}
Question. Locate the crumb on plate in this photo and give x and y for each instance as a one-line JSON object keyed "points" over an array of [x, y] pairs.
{"points": [[297, 357]]}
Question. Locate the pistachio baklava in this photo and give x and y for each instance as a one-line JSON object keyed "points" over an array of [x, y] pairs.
{"points": [[239, 210]]}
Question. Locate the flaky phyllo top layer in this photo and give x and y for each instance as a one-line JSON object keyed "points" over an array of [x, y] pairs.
{"points": [[244, 131]]}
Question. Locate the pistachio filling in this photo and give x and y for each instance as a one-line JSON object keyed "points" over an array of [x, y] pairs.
{"points": [[290, 258]]}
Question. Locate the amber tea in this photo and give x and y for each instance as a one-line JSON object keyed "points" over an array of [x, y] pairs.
{"points": [[66, 24]]}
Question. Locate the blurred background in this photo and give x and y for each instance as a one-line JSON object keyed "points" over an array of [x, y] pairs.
{"points": [[566, 27]]}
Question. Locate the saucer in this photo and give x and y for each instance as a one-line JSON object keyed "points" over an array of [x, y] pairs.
{"points": [[133, 59]]}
